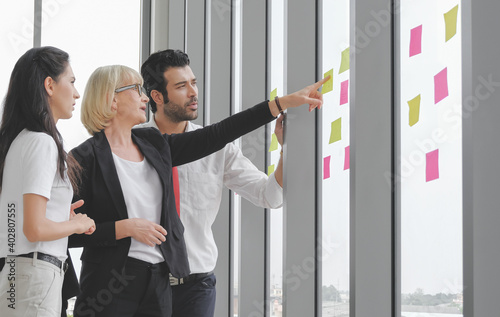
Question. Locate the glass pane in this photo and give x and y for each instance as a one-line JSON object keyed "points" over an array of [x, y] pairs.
{"points": [[276, 215], [94, 33], [236, 107], [335, 157], [430, 172], [236, 252], [16, 35]]}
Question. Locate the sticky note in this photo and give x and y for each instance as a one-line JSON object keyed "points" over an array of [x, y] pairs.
{"points": [[450, 21], [274, 93], [326, 167], [432, 165], [347, 157], [328, 86], [416, 40], [344, 92], [441, 85], [335, 134], [270, 169], [274, 143], [344, 63], [414, 105]]}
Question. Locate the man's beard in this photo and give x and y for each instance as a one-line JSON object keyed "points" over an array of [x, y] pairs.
{"points": [[178, 113]]}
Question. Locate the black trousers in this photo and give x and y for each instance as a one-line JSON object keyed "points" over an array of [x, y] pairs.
{"points": [[70, 288], [148, 294], [194, 299]]}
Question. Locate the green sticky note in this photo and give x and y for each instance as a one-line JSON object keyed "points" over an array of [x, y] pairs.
{"points": [[270, 170], [344, 63], [336, 134], [450, 21], [328, 86], [414, 105], [274, 143], [274, 93]]}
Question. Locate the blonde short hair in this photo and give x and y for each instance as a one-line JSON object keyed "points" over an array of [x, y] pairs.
{"points": [[99, 93]]}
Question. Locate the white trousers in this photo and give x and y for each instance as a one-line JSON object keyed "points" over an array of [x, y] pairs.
{"points": [[30, 287]]}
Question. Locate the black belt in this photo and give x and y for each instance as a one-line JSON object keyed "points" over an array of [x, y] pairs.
{"points": [[190, 278], [47, 258], [161, 266]]}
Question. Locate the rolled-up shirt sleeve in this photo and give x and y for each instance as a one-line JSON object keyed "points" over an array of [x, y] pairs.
{"points": [[246, 180]]}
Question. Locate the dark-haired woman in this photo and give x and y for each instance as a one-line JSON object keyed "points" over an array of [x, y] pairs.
{"points": [[36, 179]]}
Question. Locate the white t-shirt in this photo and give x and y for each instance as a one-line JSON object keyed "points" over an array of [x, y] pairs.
{"points": [[31, 168], [142, 192]]}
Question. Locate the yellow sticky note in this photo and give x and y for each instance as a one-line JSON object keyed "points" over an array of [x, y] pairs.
{"points": [[270, 169], [450, 21], [336, 133], [344, 63], [274, 93], [414, 105], [274, 143], [328, 86]]}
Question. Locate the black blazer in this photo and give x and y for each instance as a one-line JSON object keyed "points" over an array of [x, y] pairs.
{"points": [[103, 256]]}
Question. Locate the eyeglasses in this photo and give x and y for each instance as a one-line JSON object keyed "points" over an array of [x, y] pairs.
{"points": [[137, 87]]}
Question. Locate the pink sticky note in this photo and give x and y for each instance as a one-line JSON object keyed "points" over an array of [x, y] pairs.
{"points": [[441, 85], [344, 92], [432, 165], [347, 157], [326, 167], [416, 40]]}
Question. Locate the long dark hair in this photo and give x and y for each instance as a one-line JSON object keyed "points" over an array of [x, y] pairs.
{"points": [[26, 105]]}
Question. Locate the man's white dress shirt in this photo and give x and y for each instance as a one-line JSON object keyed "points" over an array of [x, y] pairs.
{"points": [[200, 187]]}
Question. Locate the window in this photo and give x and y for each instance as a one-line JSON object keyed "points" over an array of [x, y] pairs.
{"points": [[335, 142], [110, 36], [276, 73], [236, 201], [430, 166], [16, 34]]}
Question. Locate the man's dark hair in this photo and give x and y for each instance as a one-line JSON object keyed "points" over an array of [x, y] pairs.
{"points": [[153, 68]]}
